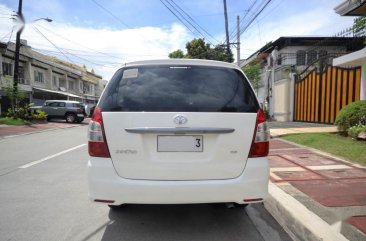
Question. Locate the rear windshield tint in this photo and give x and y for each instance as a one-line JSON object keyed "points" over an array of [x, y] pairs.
{"points": [[179, 89]]}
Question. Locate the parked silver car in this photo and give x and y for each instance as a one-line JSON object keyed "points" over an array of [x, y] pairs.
{"points": [[71, 111]]}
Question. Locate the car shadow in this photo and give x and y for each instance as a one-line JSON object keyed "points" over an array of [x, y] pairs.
{"points": [[62, 121], [179, 222]]}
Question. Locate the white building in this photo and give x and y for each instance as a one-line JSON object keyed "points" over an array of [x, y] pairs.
{"points": [[43, 77]]}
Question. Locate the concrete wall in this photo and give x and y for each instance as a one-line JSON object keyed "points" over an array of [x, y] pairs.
{"points": [[282, 104]]}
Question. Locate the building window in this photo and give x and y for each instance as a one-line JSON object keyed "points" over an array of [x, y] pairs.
{"points": [[38, 76], [62, 82], [71, 85], [311, 57], [7, 69], [86, 88], [54, 81], [279, 59], [21, 79], [300, 57]]}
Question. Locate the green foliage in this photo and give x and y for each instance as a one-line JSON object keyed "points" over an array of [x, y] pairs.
{"points": [[14, 96], [39, 115], [177, 54], [359, 24], [13, 122], [354, 131], [199, 49], [252, 71], [351, 115], [23, 112], [332, 143]]}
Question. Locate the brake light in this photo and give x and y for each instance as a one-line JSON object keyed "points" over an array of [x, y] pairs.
{"points": [[97, 144], [260, 144]]}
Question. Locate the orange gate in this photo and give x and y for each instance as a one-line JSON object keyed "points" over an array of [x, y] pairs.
{"points": [[320, 96]]}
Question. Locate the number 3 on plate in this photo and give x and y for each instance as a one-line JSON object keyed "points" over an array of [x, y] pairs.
{"points": [[198, 142]]}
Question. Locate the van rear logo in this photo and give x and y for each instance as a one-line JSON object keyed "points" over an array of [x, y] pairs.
{"points": [[180, 119]]}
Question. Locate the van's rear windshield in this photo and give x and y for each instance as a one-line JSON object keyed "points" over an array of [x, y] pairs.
{"points": [[165, 88]]}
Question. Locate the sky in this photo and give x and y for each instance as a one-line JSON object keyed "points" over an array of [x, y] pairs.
{"points": [[103, 35]]}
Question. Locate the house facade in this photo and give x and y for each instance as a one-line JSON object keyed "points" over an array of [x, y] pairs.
{"points": [[288, 58], [357, 58], [43, 77]]}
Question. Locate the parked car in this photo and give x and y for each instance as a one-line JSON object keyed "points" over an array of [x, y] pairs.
{"points": [[176, 132], [71, 111], [91, 112]]}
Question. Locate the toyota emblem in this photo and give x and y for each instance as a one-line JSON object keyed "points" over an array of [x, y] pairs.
{"points": [[180, 119]]}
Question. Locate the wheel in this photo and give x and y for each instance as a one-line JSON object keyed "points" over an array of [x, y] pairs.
{"points": [[80, 120], [70, 117]]}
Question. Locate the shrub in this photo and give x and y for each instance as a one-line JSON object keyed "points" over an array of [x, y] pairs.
{"points": [[354, 131], [39, 115], [23, 113], [351, 115]]}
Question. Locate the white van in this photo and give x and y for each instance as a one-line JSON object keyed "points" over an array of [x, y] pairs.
{"points": [[177, 132]]}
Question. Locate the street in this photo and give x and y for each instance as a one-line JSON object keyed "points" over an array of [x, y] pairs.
{"points": [[44, 196]]}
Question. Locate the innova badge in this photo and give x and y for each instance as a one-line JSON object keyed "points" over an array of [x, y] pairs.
{"points": [[180, 119]]}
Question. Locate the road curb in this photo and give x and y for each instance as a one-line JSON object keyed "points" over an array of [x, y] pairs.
{"points": [[300, 223], [35, 132]]}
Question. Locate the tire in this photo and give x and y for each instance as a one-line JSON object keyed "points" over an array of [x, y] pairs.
{"points": [[79, 120], [70, 117]]}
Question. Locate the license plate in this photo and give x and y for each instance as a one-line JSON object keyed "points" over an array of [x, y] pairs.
{"points": [[180, 143]]}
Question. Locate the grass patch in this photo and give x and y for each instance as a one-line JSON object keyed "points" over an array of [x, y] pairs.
{"points": [[332, 143], [13, 122]]}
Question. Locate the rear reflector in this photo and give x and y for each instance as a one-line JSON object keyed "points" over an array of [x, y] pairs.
{"points": [[260, 144], [97, 144], [103, 201]]}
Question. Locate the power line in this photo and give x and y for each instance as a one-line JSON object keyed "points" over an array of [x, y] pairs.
{"points": [[270, 11], [110, 13], [194, 21], [233, 31], [122, 22], [254, 17], [102, 53], [6, 35], [188, 21], [52, 43], [178, 18]]}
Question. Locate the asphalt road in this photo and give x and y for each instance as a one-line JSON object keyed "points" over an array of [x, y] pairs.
{"points": [[44, 196]]}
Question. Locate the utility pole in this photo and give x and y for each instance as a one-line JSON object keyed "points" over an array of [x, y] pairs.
{"points": [[17, 49], [238, 39], [226, 29]]}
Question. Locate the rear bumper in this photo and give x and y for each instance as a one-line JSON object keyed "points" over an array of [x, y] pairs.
{"points": [[105, 184]]}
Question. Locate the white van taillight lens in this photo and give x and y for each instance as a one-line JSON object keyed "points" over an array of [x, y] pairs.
{"points": [[260, 144], [97, 144]]}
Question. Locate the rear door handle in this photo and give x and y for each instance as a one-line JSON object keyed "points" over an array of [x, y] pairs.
{"points": [[180, 130]]}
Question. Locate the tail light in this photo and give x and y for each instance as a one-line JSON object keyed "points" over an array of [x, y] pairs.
{"points": [[260, 144], [97, 144]]}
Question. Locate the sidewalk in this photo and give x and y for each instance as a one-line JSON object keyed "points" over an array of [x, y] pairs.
{"points": [[313, 195], [11, 131]]}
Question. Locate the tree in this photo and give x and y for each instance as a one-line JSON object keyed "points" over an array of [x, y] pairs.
{"points": [[252, 71], [14, 94], [359, 25], [199, 49], [177, 54]]}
